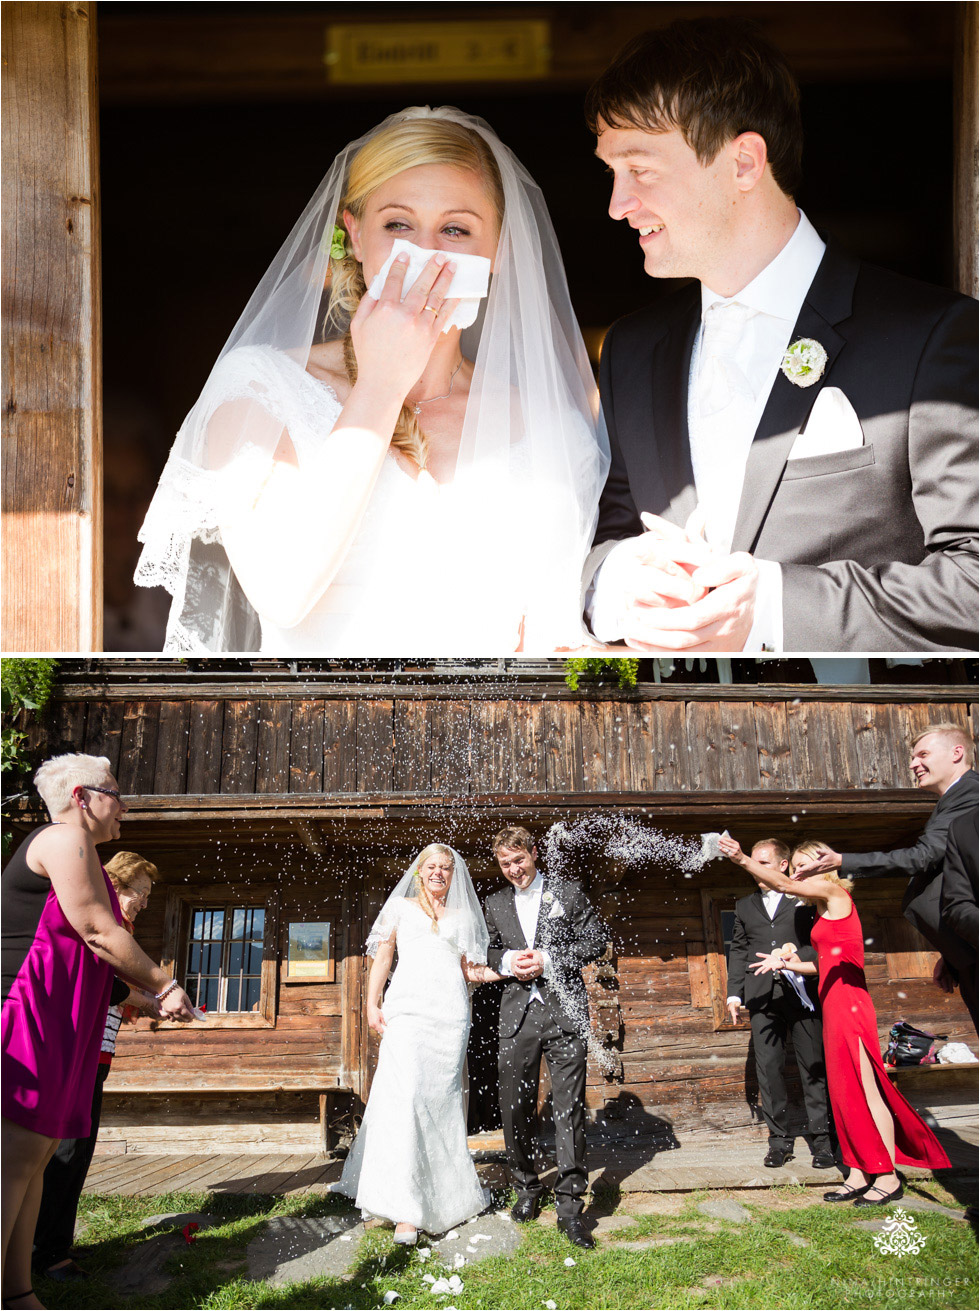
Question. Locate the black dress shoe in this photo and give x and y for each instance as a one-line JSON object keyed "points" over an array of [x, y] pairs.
{"points": [[576, 1232], [777, 1156], [824, 1160], [525, 1208], [845, 1193], [875, 1197]]}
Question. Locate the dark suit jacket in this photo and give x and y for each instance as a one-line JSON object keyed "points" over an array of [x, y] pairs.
{"points": [[755, 931], [573, 940], [958, 914], [923, 862], [879, 544]]}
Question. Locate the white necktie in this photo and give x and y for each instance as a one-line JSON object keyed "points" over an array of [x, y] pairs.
{"points": [[720, 380]]}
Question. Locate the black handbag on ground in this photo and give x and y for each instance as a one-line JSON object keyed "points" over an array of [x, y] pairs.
{"points": [[908, 1045]]}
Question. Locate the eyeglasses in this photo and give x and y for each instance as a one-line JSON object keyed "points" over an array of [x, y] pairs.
{"points": [[106, 792]]}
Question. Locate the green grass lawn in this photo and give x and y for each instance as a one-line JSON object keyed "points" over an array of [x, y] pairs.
{"points": [[796, 1252]]}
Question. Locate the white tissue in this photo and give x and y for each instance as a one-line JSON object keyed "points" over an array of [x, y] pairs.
{"points": [[709, 845], [470, 283]]}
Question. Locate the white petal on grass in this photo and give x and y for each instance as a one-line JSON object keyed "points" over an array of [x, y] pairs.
{"points": [[391, 1297], [570, 1261]]}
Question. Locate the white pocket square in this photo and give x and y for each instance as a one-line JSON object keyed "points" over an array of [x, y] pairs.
{"points": [[832, 426], [556, 912]]}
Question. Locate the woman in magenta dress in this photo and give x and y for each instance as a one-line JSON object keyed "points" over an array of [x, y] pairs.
{"points": [[876, 1127], [62, 940]]}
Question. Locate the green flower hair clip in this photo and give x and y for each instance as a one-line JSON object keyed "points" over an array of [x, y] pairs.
{"points": [[338, 243]]}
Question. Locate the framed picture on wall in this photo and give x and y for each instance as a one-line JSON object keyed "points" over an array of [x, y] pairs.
{"points": [[309, 952]]}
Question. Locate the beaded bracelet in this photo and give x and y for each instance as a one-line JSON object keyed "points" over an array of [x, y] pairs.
{"points": [[159, 996]]}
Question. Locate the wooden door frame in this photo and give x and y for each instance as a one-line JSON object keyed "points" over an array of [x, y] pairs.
{"points": [[52, 423]]}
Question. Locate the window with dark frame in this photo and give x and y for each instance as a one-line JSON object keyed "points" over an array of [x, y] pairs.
{"points": [[223, 965]]}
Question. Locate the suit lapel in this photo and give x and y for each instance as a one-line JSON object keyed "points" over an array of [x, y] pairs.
{"points": [[539, 922], [671, 381], [827, 302], [517, 933]]}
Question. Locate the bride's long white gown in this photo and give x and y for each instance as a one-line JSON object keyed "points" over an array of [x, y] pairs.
{"points": [[410, 1161], [409, 584]]}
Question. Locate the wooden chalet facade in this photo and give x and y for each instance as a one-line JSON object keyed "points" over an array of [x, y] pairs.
{"points": [[271, 800]]}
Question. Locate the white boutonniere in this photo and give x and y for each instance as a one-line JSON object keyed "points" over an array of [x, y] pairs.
{"points": [[804, 362], [547, 898]]}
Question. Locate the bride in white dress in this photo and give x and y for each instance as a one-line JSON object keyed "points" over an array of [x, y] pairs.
{"points": [[355, 466], [409, 1162]]}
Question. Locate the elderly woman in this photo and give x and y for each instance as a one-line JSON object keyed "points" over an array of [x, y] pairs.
{"points": [[62, 939], [875, 1124], [64, 1178]]}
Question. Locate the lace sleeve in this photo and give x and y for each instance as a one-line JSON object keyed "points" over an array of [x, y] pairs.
{"points": [[385, 927], [222, 455]]}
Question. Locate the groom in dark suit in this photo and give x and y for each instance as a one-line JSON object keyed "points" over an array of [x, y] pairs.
{"points": [[543, 930], [812, 415], [764, 922]]}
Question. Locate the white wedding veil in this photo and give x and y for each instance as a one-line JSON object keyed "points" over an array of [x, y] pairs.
{"points": [[531, 463], [463, 918]]}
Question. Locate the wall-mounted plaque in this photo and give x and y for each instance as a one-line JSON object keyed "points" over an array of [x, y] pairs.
{"points": [[309, 956], [493, 51]]}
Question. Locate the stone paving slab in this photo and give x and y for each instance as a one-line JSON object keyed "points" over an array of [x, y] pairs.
{"points": [[291, 1249], [294, 1248]]}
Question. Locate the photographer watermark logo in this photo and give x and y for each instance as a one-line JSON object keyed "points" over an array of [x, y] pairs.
{"points": [[899, 1235]]}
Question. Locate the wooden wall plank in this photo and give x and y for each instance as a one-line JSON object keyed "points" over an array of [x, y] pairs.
{"points": [[205, 728], [772, 738], [138, 751], [965, 112], [306, 747], [52, 411], [375, 746], [340, 746], [67, 728], [450, 746], [239, 740], [273, 746], [103, 730], [413, 746], [561, 730], [170, 776]]}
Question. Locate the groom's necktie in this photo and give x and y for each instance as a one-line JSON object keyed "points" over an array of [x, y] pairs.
{"points": [[720, 419], [720, 380]]}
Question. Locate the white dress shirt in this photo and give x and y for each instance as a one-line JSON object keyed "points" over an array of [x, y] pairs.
{"points": [[527, 902], [770, 899], [720, 441]]}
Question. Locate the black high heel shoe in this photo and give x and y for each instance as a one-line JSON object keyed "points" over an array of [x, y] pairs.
{"points": [[868, 1200], [17, 1297]]}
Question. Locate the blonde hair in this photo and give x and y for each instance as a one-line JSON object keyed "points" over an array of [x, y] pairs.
{"points": [[812, 849], [424, 899], [57, 778], [126, 867], [402, 146], [960, 736]]}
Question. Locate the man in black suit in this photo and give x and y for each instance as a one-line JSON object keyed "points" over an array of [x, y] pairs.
{"points": [[958, 912], [812, 415], [542, 932], [942, 763], [764, 922]]}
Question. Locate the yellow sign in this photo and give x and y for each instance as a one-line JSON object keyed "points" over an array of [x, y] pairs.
{"points": [[496, 50]]}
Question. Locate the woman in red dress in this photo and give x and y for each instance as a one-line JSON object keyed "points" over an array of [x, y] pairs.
{"points": [[876, 1127]]}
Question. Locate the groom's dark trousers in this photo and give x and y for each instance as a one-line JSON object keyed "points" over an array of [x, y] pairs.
{"points": [[530, 1029]]}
